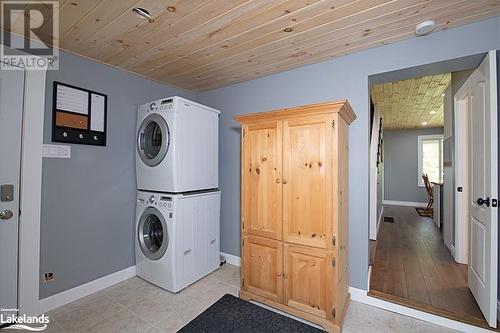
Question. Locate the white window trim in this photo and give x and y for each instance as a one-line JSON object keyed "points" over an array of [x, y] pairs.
{"points": [[421, 138]]}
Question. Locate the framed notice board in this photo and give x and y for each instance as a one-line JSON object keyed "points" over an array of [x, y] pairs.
{"points": [[79, 115]]}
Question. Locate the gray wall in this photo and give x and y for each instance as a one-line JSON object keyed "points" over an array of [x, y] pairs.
{"points": [[344, 77], [88, 201], [401, 164]]}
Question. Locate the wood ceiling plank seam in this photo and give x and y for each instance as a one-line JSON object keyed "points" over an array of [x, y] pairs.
{"points": [[171, 32], [220, 82], [200, 47], [444, 25], [224, 61], [433, 97], [329, 55], [104, 36], [399, 20], [73, 32], [249, 39], [253, 47], [373, 36], [224, 81], [424, 101], [138, 38], [229, 15], [71, 14]]}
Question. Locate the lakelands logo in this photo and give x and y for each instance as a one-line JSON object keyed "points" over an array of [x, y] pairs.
{"points": [[24, 322], [30, 35]]}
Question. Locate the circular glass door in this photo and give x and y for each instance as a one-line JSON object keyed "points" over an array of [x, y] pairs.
{"points": [[152, 234], [153, 139]]}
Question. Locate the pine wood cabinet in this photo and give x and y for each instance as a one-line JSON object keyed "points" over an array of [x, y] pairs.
{"points": [[294, 210]]}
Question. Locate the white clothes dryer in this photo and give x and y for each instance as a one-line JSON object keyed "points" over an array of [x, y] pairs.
{"points": [[177, 147]]}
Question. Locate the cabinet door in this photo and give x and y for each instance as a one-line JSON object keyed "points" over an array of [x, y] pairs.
{"points": [[308, 280], [261, 174], [307, 180], [262, 267]]}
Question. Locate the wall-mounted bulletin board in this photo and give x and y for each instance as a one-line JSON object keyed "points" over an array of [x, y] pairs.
{"points": [[79, 115]]}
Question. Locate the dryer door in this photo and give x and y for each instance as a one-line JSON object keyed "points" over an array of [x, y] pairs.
{"points": [[153, 139], [152, 234]]}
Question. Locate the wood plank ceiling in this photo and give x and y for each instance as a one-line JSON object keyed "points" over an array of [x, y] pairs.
{"points": [[201, 45], [412, 103]]}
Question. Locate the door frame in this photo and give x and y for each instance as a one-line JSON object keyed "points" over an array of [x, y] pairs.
{"points": [[30, 191], [461, 174]]}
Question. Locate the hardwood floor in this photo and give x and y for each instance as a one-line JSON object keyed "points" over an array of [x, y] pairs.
{"points": [[413, 267]]}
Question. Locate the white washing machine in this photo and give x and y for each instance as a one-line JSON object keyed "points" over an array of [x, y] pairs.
{"points": [[177, 146], [177, 237]]}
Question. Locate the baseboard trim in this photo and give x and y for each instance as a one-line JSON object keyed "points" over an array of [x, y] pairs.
{"points": [[361, 296], [231, 259], [405, 203], [71, 295]]}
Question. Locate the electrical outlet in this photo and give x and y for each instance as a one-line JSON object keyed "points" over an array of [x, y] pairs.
{"points": [[48, 277]]}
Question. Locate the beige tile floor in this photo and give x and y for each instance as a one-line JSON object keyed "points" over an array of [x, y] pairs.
{"points": [[138, 306]]}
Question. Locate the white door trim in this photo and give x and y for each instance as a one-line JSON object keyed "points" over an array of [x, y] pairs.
{"points": [[461, 107], [31, 192]]}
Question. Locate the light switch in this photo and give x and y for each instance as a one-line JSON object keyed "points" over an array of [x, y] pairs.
{"points": [[56, 151]]}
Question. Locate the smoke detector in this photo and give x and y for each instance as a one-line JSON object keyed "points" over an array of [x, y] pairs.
{"points": [[425, 28]]}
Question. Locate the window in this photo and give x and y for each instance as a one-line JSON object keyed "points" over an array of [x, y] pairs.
{"points": [[430, 158]]}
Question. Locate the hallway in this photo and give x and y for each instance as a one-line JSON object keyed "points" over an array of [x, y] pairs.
{"points": [[413, 267]]}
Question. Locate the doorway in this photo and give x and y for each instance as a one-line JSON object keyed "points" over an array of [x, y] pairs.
{"points": [[11, 113], [436, 121]]}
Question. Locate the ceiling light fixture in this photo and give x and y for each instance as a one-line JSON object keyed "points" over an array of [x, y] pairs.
{"points": [[442, 95], [287, 30], [142, 13], [424, 123], [432, 112], [425, 28]]}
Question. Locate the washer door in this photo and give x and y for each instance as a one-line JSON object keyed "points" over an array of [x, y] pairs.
{"points": [[153, 140], [152, 234]]}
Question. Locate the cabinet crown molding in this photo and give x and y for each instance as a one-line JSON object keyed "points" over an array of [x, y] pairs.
{"points": [[342, 107]]}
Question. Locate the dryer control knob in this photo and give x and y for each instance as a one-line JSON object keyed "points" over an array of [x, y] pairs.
{"points": [[152, 199], [152, 106]]}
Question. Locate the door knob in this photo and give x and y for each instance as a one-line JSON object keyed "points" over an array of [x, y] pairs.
{"points": [[481, 201], [6, 214]]}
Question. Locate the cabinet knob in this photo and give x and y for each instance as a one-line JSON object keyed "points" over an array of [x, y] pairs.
{"points": [[278, 181], [278, 274], [285, 276], [284, 181]]}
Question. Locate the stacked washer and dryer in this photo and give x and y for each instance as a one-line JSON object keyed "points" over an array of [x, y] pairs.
{"points": [[178, 201]]}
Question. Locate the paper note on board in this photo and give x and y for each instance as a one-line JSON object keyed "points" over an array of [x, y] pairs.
{"points": [[97, 106], [72, 100]]}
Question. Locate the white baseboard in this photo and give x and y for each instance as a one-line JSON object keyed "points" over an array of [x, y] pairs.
{"points": [[71, 295], [405, 203], [231, 259], [361, 296]]}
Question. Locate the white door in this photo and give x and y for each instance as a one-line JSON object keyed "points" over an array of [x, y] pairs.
{"points": [[11, 111], [483, 184]]}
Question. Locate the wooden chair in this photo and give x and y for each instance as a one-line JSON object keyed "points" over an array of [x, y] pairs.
{"points": [[428, 188]]}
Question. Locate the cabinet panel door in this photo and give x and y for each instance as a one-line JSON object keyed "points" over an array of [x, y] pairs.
{"points": [[308, 280], [261, 175], [262, 267], [307, 180]]}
